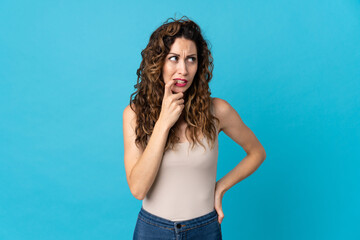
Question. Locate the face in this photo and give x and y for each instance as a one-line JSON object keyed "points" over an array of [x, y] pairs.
{"points": [[181, 63]]}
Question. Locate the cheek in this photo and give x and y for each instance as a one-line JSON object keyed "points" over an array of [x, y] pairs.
{"points": [[168, 73], [165, 73], [166, 70], [194, 71]]}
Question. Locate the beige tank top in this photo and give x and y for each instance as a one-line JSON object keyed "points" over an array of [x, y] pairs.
{"points": [[184, 187]]}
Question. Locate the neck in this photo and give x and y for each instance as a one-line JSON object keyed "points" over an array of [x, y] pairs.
{"points": [[181, 119]]}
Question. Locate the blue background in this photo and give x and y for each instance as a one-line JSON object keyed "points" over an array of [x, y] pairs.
{"points": [[291, 69]]}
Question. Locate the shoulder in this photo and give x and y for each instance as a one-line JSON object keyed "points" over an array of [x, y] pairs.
{"points": [[221, 110], [129, 110], [219, 102], [129, 114], [220, 106]]}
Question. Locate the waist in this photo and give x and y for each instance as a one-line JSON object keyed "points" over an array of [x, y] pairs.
{"points": [[180, 225], [176, 205]]}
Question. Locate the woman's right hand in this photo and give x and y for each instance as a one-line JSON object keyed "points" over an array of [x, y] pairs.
{"points": [[172, 105]]}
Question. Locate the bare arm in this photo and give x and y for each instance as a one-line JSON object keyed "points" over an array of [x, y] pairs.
{"points": [[233, 126], [145, 170], [142, 166]]}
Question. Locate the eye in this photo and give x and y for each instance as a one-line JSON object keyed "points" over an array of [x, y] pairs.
{"points": [[172, 57], [193, 59]]}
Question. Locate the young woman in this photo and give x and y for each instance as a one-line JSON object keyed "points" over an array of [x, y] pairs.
{"points": [[171, 130]]}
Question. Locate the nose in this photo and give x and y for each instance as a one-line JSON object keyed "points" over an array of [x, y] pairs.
{"points": [[182, 68]]}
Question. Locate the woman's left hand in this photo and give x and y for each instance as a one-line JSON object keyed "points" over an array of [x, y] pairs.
{"points": [[219, 194]]}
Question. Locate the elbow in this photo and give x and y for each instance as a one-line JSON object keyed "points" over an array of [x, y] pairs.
{"points": [[141, 197], [137, 189], [263, 154], [137, 194], [264, 157], [260, 153]]}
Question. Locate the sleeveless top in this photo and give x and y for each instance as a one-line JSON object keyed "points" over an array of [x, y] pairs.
{"points": [[184, 187]]}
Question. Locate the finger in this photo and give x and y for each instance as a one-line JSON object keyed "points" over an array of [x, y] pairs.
{"points": [[168, 88], [221, 217], [180, 101], [178, 95]]}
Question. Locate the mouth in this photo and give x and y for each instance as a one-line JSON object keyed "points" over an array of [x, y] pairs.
{"points": [[180, 80]]}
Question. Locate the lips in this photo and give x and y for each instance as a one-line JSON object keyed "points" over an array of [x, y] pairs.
{"points": [[181, 79]]}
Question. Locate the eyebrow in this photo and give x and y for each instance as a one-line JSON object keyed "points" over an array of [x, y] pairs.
{"points": [[188, 55]]}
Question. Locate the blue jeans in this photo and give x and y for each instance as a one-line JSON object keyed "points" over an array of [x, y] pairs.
{"points": [[149, 226]]}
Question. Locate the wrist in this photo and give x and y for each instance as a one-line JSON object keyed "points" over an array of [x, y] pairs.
{"points": [[160, 125], [220, 187]]}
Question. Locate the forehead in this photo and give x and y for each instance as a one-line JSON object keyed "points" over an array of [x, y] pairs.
{"points": [[183, 45]]}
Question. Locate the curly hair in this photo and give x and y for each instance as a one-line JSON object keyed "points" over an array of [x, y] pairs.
{"points": [[150, 86]]}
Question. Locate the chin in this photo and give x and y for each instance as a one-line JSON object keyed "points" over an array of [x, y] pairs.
{"points": [[180, 90]]}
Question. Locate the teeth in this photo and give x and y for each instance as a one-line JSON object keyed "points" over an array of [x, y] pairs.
{"points": [[180, 81]]}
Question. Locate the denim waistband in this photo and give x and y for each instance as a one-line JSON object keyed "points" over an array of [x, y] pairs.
{"points": [[179, 225]]}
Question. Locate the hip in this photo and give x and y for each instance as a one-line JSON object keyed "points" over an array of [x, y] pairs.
{"points": [[150, 226]]}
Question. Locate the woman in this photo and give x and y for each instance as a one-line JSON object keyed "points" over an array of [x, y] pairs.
{"points": [[173, 110]]}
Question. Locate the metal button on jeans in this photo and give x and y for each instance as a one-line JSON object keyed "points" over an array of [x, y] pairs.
{"points": [[178, 225]]}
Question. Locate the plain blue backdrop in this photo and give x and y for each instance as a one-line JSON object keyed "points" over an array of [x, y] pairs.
{"points": [[290, 68]]}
